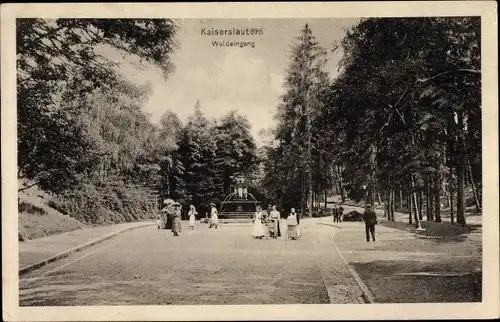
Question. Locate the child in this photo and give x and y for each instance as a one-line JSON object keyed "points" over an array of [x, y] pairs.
{"points": [[192, 217]]}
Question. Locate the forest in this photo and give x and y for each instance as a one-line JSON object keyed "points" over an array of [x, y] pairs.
{"points": [[400, 125]]}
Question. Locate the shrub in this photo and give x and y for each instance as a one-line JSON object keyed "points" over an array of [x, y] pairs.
{"points": [[106, 204], [31, 208]]}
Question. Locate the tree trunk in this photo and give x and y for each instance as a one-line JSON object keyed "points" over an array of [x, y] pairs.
{"points": [[341, 185], [450, 194], [461, 196], [427, 196], [420, 205], [386, 205], [303, 197], [410, 209], [437, 199], [391, 208], [326, 198], [474, 190], [414, 194], [378, 198], [400, 198], [461, 173]]}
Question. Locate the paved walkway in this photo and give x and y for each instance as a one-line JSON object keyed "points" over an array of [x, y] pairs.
{"points": [[147, 266], [39, 249], [35, 250], [402, 267]]}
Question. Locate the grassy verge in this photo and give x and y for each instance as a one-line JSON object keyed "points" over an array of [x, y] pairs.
{"points": [[386, 280], [42, 214], [36, 221]]}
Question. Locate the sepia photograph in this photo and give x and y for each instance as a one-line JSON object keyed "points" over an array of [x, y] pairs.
{"points": [[199, 161]]}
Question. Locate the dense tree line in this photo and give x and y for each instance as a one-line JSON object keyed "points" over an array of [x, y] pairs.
{"points": [[83, 136], [401, 124], [401, 121]]}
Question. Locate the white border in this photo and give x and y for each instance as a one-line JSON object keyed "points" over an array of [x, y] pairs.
{"points": [[489, 308]]}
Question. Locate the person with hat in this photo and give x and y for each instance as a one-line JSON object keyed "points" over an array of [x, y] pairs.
{"points": [[292, 223], [340, 212], [192, 216], [370, 219], [175, 211], [275, 215], [214, 218], [258, 226], [166, 214]]}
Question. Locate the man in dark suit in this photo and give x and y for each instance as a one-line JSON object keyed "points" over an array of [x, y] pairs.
{"points": [[340, 212], [370, 219]]}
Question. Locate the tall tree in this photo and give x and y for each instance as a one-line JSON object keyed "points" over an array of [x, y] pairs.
{"points": [[55, 56], [304, 80]]}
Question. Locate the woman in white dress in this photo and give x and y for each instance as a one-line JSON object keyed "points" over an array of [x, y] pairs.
{"points": [[214, 218], [292, 225], [258, 227], [192, 216]]}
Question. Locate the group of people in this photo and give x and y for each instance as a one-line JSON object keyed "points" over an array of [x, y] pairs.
{"points": [[369, 217], [171, 215], [269, 225], [338, 212], [265, 224]]}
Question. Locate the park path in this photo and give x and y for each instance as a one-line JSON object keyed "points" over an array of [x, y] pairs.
{"points": [[403, 267], [39, 249], [148, 266]]}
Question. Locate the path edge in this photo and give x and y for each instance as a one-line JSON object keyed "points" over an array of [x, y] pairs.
{"points": [[366, 293], [26, 269]]}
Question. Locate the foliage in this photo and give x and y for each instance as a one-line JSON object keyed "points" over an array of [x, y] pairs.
{"points": [[212, 153], [402, 114], [59, 62]]}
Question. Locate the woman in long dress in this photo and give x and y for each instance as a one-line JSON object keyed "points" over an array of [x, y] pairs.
{"points": [[166, 214], [176, 215], [258, 227], [192, 216], [275, 215], [214, 217], [292, 223]]}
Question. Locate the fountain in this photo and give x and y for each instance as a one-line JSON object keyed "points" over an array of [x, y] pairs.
{"points": [[239, 204]]}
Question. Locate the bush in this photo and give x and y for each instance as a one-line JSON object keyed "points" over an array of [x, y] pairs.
{"points": [[107, 204], [353, 216], [31, 209]]}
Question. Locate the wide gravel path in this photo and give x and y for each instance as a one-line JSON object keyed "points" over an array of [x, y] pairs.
{"points": [[147, 266]]}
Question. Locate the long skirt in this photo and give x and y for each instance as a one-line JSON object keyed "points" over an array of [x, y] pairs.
{"points": [[192, 219], [169, 222], [293, 232], [176, 225], [214, 221], [258, 229]]}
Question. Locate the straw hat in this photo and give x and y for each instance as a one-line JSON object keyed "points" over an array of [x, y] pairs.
{"points": [[168, 202]]}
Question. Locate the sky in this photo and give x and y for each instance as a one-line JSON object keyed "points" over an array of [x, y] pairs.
{"points": [[249, 80]]}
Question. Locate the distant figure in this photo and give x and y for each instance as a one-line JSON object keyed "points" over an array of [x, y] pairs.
{"points": [[192, 216], [175, 210], [258, 227], [166, 213], [334, 213], [292, 225], [340, 212], [275, 215], [370, 219], [214, 216]]}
